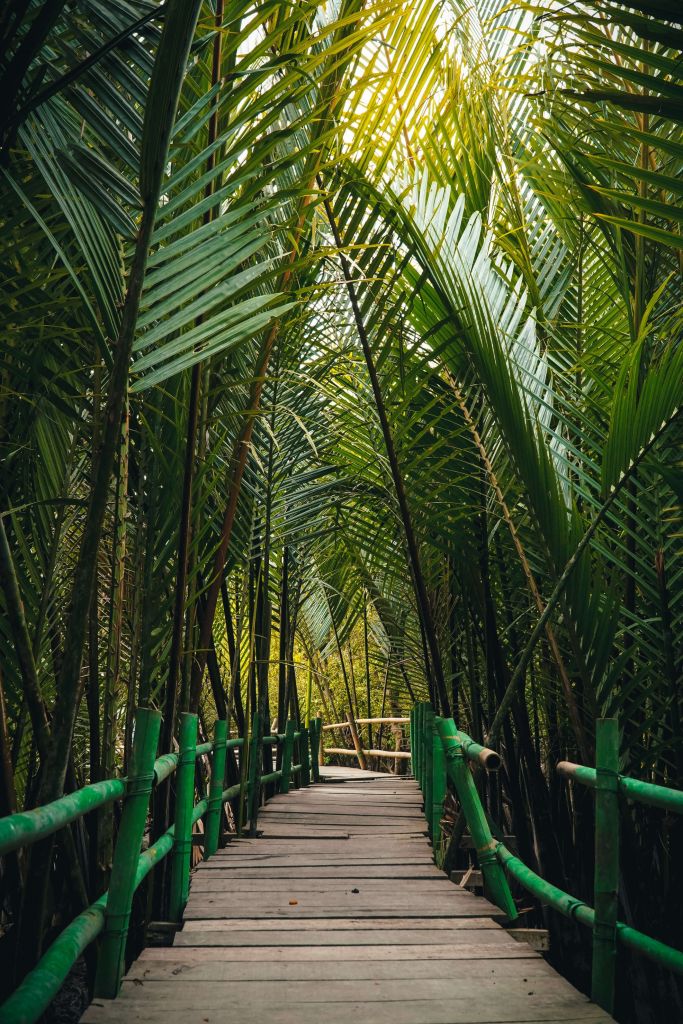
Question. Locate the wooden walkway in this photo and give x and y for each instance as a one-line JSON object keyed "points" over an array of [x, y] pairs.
{"points": [[337, 915]]}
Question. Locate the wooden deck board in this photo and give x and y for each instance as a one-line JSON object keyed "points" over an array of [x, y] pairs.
{"points": [[338, 912]]}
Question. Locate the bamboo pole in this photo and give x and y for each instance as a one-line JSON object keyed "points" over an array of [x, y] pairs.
{"points": [[495, 881], [110, 963], [606, 881], [360, 754], [400, 754], [215, 809], [369, 721], [184, 802]]}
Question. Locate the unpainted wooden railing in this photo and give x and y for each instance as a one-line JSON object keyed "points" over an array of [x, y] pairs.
{"points": [[110, 914], [443, 754], [358, 751]]}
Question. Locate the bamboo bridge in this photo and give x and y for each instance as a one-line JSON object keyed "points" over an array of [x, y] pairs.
{"points": [[330, 903]]}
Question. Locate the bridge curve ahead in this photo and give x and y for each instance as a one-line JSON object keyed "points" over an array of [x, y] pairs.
{"points": [[337, 912]]}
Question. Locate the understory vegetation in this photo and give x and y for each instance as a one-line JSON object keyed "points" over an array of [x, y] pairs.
{"points": [[342, 368]]}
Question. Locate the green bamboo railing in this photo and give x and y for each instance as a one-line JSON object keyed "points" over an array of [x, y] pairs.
{"points": [[440, 753], [109, 915]]}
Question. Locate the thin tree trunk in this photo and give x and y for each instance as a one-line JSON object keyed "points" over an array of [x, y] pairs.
{"points": [[397, 477]]}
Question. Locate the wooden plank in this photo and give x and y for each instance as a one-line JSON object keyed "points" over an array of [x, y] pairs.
{"points": [[432, 1011], [520, 995], [431, 886], [266, 872], [268, 924], [323, 953], [300, 970], [468, 938]]}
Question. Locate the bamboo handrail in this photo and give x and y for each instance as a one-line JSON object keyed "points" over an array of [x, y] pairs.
{"points": [[372, 753], [130, 867], [368, 721], [433, 737]]}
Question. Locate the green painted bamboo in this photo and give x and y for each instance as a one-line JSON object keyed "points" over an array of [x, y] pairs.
{"points": [[665, 956], [305, 748], [271, 777], [474, 751], [231, 792], [438, 788], [419, 763], [577, 773], [184, 803], [254, 784], [633, 789], [412, 740], [606, 862], [654, 796], [495, 883], [203, 748], [287, 751], [579, 911], [428, 748], [213, 818], [315, 733], [544, 891], [23, 829], [164, 766], [30, 1000], [110, 963], [423, 708]]}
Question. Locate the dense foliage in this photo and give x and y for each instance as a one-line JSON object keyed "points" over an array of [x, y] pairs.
{"points": [[342, 366]]}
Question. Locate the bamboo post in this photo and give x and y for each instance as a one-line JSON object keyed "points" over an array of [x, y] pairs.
{"points": [[111, 961], [495, 882], [428, 747], [360, 753], [316, 732], [184, 804], [287, 752], [417, 754], [412, 740], [304, 746], [421, 711], [438, 787], [606, 879], [215, 802], [254, 786]]}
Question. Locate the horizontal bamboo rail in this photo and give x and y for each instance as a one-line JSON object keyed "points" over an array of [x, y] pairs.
{"points": [[368, 721], [344, 751], [441, 754], [110, 914]]}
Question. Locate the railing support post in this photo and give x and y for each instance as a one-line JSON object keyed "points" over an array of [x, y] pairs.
{"points": [[287, 752], [111, 961], [184, 803], [304, 747], [315, 732], [215, 803], [421, 736], [415, 745], [495, 882], [606, 880], [438, 788], [254, 787], [358, 747], [428, 753]]}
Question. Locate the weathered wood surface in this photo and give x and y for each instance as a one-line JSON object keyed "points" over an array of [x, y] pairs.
{"points": [[337, 913]]}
